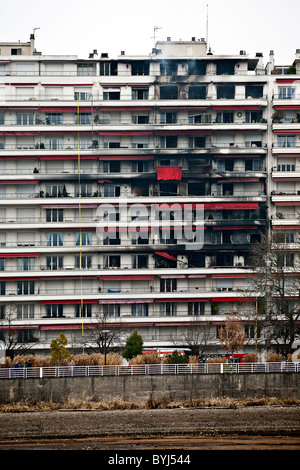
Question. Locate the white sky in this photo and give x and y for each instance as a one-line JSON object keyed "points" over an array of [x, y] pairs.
{"points": [[76, 27]]}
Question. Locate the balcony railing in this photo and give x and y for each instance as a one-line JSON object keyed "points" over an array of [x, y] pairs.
{"points": [[95, 146], [149, 369]]}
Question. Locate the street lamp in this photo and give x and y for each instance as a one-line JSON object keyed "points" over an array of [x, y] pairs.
{"points": [[105, 333]]}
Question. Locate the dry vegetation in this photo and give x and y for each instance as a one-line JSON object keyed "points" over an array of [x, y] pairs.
{"points": [[120, 404]]}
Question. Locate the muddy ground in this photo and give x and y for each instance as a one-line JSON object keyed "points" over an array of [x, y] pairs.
{"points": [[255, 428]]}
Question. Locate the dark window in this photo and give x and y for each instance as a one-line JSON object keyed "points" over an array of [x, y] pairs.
{"points": [[197, 92], [169, 92]]}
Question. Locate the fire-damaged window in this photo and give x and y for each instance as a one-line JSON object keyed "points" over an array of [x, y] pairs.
{"points": [[226, 91], [197, 67], [169, 92], [197, 92], [254, 91], [169, 68], [225, 67], [140, 68]]}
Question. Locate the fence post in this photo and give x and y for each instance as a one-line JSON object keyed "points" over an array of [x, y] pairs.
{"points": [[221, 368]]}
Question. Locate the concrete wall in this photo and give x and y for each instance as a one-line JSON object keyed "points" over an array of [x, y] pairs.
{"points": [[141, 388]]}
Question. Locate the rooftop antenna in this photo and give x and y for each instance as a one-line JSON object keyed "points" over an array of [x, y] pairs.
{"points": [[154, 32], [206, 24], [34, 29]]}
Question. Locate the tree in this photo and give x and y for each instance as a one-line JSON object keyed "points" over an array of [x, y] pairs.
{"points": [[16, 340], [233, 336], [134, 346], [58, 350], [197, 337], [101, 336], [277, 287]]}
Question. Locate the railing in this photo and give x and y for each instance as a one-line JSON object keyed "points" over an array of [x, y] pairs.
{"points": [[148, 369]]}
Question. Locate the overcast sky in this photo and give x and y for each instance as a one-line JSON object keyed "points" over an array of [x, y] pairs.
{"points": [[76, 27]]}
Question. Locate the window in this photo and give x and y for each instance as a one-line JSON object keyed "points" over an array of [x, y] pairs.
{"points": [[253, 116], [168, 141], [111, 191], [140, 119], [55, 239], [252, 165], [24, 119], [112, 261], [2, 264], [140, 93], [54, 262], [82, 96], [54, 143], [225, 92], [254, 91], [111, 95], [168, 68], [286, 167], [140, 68], [225, 67], [197, 142], [85, 69], [54, 311], [197, 92], [139, 310], [54, 215], [85, 190], [286, 141], [111, 310], [55, 191], [2, 312], [25, 311], [2, 287], [285, 92], [25, 264], [25, 287], [83, 118], [86, 261], [168, 309], [140, 238], [25, 336], [196, 308], [111, 238], [169, 92], [197, 67], [108, 68], [84, 310], [168, 118], [140, 261], [226, 118], [86, 238], [112, 166], [140, 166], [53, 118], [168, 285]]}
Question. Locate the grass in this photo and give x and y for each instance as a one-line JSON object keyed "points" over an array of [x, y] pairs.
{"points": [[151, 403]]}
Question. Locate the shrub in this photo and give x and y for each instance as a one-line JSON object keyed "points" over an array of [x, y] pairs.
{"points": [[250, 358], [273, 357]]}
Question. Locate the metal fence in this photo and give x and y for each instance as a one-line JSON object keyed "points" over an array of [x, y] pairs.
{"points": [[148, 369]]}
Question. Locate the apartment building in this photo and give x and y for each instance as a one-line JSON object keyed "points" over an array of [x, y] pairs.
{"points": [[132, 190]]}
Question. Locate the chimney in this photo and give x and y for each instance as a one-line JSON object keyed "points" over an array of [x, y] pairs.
{"points": [[31, 44]]}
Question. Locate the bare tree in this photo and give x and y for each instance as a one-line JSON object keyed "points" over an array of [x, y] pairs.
{"points": [[277, 287], [17, 340], [101, 335], [197, 336]]}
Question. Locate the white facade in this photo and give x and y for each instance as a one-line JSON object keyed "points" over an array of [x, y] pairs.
{"points": [[179, 126]]}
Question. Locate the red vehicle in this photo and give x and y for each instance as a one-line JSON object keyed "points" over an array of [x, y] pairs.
{"points": [[235, 358]]}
